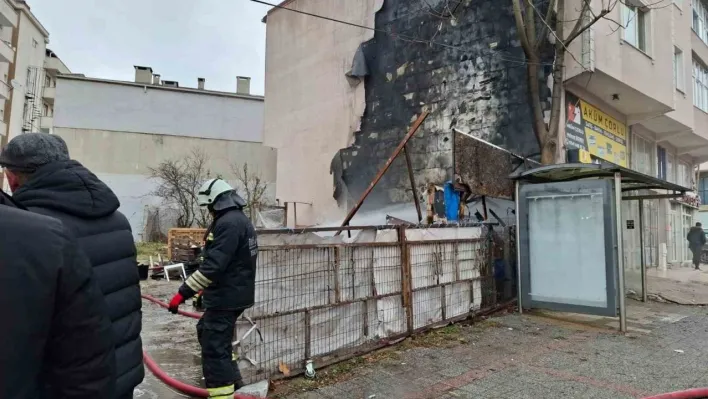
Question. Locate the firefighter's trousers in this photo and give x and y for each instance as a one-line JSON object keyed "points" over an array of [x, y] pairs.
{"points": [[215, 331]]}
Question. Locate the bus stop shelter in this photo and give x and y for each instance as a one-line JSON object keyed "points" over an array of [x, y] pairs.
{"points": [[570, 254]]}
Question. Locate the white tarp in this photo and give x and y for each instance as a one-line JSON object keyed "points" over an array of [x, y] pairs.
{"points": [[297, 279], [336, 328]]}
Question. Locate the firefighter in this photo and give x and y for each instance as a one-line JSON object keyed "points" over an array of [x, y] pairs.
{"points": [[227, 277]]}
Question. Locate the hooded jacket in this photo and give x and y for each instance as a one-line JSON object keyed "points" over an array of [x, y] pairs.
{"points": [[57, 334], [228, 273], [69, 192], [696, 237]]}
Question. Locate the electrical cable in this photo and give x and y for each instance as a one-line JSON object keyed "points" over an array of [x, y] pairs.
{"points": [[402, 37]]}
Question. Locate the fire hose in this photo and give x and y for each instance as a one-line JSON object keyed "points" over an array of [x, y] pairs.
{"points": [[696, 393], [162, 376]]}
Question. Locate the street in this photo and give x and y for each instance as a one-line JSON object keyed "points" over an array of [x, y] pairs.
{"points": [[534, 355]]}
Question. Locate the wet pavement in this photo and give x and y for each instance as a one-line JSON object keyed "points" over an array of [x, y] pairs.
{"points": [[529, 356], [519, 356], [169, 339]]}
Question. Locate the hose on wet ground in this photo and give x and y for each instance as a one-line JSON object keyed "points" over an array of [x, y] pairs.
{"points": [[696, 393], [169, 381]]}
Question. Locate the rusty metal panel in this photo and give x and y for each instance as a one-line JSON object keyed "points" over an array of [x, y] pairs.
{"points": [[484, 168]]}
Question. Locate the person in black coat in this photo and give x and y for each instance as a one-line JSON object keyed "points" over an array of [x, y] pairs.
{"points": [[45, 180], [227, 277], [56, 341]]}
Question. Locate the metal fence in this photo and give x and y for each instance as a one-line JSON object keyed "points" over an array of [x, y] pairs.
{"points": [[327, 302]]}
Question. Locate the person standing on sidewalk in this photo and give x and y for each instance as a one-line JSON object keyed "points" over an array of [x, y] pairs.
{"points": [[696, 239], [45, 180], [227, 277]]}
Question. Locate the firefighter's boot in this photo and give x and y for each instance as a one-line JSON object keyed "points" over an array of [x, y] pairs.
{"points": [[225, 392]]}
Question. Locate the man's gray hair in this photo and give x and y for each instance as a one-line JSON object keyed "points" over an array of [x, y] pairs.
{"points": [[30, 151]]}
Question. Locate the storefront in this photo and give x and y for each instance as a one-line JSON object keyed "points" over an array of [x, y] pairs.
{"points": [[594, 135]]}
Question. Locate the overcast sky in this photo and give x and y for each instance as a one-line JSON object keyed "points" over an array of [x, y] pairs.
{"points": [[180, 39]]}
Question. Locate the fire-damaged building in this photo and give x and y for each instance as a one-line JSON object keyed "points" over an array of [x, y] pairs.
{"points": [[345, 80], [341, 97]]}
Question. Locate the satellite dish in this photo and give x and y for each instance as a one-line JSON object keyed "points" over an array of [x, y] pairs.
{"points": [[15, 84]]}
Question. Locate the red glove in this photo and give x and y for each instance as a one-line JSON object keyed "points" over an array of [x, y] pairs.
{"points": [[177, 300]]}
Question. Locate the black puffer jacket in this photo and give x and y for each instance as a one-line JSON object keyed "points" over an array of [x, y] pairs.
{"points": [[87, 207], [229, 267], [56, 336]]}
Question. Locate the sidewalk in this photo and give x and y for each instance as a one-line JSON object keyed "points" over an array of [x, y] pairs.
{"points": [[529, 356], [682, 285]]}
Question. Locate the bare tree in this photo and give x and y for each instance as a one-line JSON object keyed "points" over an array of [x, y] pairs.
{"points": [[254, 188], [536, 30], [179, 179]]}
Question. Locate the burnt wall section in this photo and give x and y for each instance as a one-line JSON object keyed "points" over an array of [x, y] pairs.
{"points": [[473, 79]]}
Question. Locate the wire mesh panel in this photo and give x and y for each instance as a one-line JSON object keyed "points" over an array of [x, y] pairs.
{"points": [[329, 301]]}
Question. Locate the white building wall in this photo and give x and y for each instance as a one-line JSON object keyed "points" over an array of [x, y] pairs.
{"points": [[123, 161], [120, 130], [127, 107], [311, 113]]}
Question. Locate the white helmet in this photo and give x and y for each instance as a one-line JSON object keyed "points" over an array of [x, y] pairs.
{"points": [[210, 190]]}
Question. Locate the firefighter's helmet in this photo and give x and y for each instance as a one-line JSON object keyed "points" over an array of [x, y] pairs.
{"points": [[211, 190]]}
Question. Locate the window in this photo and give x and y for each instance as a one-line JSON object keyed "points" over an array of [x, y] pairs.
{"points": [[700, 86], [635, 23], [679, 80], [700, 19], [684, 177], [35, 43], [703, 188], [670, 168], [642, 155], [661, 162]]}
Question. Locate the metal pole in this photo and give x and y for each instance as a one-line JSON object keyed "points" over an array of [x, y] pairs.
{"points": [[518, 252], [416, 200], [382, 171], [620, 252], [641, 246]]}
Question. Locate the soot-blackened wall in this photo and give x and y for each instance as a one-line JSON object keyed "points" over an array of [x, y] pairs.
{"points": [[472, 78]]}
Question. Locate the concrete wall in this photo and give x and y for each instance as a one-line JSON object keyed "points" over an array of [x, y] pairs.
{"points": [[683, 39], [630, 65], [100, 105], [311, 109], [123, 160]]}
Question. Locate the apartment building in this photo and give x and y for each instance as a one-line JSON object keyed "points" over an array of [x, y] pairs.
{"points": [[648, 75], [120, 130], [8, 25], [28, 70], [643, 70]]}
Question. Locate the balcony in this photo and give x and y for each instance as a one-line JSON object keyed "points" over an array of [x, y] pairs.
{"points": [[7, 53], [4, 91], [8, 16], [48, 94], [46, 123]]}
